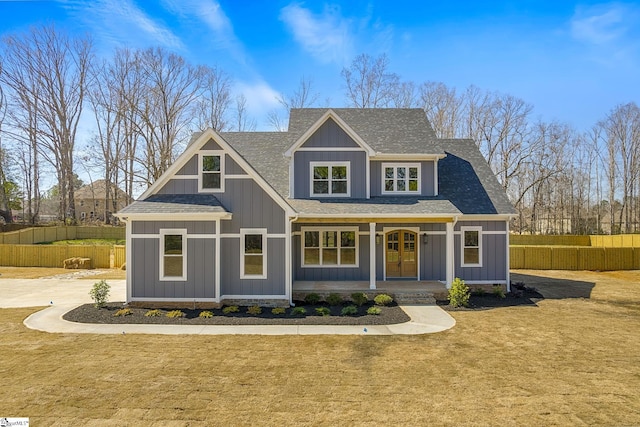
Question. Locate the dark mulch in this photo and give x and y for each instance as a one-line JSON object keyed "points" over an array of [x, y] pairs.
{"points": [[87, 313], [520, 295]]}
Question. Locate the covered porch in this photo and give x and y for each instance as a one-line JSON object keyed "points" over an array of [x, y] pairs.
{"points": [[402, 291]]}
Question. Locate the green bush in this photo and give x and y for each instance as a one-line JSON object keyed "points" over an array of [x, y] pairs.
{"points": [[278, 310], [334, 299], [153, 313], [100, 293], [312, 298], [175, 314], [123, 312], [205, 314], [298, 311], [231, 309], [375, 311], [254, 310], [498, 292], [383, 299], [459, 293], [359, 298], [349, 310], [323, 311]]}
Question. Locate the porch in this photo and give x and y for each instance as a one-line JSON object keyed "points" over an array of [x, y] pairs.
{"points": [[402, 291]]}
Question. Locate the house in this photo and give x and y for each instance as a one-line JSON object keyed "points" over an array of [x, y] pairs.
{"points": [[91, 200], [345, 195]]}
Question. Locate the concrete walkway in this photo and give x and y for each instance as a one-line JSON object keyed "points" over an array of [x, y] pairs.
{"points": [[64, 295]]}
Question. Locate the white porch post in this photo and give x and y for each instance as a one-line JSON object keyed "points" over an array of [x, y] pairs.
{"points": [[372, 255], [450, 254], [508, 255], [217, 260]]}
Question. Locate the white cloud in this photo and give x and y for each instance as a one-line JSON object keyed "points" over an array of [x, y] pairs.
{"points": [[211, 14], [261, 97], [325, 36], [122, 22], [600, 24]]}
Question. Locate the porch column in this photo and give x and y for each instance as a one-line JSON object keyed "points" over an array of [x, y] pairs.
{"points": [[372, 255], [450, 259]]}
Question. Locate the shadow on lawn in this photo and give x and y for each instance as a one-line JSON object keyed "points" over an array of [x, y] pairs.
{"points": [[552, 288]]}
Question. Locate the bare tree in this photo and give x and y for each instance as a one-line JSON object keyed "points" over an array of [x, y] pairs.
{"points": [[443, 108], [51, 69], [368, 83], [243, 122], [303, 96], [213, 105], [404, 95]]}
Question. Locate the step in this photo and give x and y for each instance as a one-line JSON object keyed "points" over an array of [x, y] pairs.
{"points": [[414, 298]]}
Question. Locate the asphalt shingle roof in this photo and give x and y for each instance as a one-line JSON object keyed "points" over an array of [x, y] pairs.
{"points": [[175, 204], [410, 206]]}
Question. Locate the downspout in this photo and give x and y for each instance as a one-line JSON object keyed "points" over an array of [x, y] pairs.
{"points": [[290, 255]]}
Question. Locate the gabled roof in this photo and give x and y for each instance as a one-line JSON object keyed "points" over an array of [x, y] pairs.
{"points": [[385, 130], [98, 190]]}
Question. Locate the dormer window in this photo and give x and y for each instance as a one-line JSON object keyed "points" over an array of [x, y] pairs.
{"points": [[330, 179], [400, 178], [211, 171]]}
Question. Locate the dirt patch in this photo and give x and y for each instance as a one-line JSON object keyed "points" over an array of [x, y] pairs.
{"points": [[87, 313]]}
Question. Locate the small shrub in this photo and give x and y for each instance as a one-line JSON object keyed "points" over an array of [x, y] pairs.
{"points": [[123, 312], [100, 293], [298, 311], [375, 311], [323, 311], [479, 292], [459, 293], [334, 299], [349, 310], [205, 314], [254, 310], [312, 298], [498, 292], [383, 299], [231, 309], [153, 313], [278, 310], [359, 298], [173, 314]]}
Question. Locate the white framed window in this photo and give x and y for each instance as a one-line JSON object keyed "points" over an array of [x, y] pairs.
{"points": [[211, 171], [253, 253], [330, 179], [173, 254], [401, 178], [471, 246], [329, 247]]}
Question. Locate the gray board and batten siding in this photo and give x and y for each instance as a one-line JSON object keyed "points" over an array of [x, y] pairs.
{"points": [[494, 252], [357, 168], [200, 253]]}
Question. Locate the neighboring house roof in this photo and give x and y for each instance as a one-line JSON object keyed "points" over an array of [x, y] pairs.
{"points": [[176, 204], [98, 190]]}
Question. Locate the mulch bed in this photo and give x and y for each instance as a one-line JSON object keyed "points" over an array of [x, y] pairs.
{"points": [[520, 296], [87, 313]]}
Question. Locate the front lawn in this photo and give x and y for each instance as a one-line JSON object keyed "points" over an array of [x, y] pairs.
{"points": [[570, 359]]}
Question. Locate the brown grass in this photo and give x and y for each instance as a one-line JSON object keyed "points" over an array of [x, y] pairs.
{"points": [[568, 361]]}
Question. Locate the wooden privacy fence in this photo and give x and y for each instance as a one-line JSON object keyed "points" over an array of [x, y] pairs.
{"points": [[102, 256], [615, 241], [30, 236], [574, 258]]}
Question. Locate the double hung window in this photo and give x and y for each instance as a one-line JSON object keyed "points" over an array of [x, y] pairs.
{"points": [[173, 255], [324, 247], [211, 171], [471, 246], [253, 253], [400, 178], [330, 179]]}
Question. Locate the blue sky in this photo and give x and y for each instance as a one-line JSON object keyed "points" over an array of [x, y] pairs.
{"points": [[572, 61]]}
